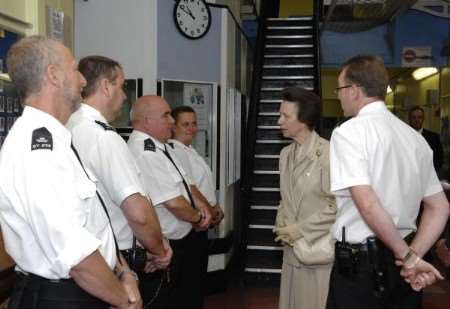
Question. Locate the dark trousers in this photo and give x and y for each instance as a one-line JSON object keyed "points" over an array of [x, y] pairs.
{"points": [[154, 289], [33, 292], [188, 271], [357, 290]]}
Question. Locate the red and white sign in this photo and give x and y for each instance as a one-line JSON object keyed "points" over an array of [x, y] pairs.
{"points": [[416, 56]]}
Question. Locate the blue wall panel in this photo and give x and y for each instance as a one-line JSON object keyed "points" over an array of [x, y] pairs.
{"points": [[181, 58], [387, 41]]}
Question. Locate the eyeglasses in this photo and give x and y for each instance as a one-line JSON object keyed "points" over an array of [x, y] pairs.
{"points": [[336, 90]]}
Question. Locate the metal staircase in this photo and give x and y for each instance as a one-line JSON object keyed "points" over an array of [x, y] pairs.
{"points": [[290, 59]]}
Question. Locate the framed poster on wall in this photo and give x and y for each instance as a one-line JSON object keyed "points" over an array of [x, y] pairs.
{"points": [[202, 97]]}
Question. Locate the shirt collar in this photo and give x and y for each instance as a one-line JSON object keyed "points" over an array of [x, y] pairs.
{"points": [[55, 127], [92, 113], [177, 142], [373, 107], [143, 135], [420, 130]]}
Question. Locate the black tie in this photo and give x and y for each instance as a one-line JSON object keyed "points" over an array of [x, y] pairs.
{"points": [[101, 202], [182, 178]]}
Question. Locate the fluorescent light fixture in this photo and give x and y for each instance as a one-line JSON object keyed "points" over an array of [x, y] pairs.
{"points": [[421, 73], [389, 89]]}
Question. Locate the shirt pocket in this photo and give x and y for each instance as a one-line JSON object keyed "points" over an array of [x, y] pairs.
{"points": [[86, 189]]}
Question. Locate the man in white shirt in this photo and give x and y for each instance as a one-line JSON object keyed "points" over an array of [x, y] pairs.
{"points": [[381, 169], [53, 223], [104, 151], [180, 212]]}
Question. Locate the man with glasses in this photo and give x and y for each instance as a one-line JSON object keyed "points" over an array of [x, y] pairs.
{"points": [[381, 170]]}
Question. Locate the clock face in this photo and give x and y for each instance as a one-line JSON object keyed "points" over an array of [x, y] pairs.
{"points": [[192, 18]]}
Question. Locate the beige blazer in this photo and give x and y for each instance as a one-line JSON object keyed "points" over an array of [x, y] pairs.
{"points": [[306, 202]]}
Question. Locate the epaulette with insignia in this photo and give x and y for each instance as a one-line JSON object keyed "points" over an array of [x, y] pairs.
{"points": [[171, 145], [41, 139], [105, 126], [149, 145]]}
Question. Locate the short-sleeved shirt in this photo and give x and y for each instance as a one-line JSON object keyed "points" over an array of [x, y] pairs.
{"points": [[50, 215], [197, 168], [376, 148], [161, 180], [104, 152]]}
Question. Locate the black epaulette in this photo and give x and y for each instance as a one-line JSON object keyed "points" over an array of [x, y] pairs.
{"points": [[149, 145], [171, 145], [105, 126], [41, 139]]}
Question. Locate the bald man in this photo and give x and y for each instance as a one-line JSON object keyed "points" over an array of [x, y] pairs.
{"points": [[183, 216]]}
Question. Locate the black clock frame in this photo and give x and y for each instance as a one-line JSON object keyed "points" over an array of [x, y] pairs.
{"points": [[178, 26]]}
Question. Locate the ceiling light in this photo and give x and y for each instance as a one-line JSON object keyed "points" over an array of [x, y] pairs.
{"points": [[421, 73]]}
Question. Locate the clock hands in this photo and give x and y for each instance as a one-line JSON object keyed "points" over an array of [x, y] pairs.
{"points": [[189, 12]]}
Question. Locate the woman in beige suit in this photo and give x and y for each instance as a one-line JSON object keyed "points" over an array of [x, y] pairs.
{"points": [[307, 208]]}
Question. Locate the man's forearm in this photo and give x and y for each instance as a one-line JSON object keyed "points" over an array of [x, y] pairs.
{"points": [[182, 210], [432, 223], [94, 276], [144, 222], [378, 219]]}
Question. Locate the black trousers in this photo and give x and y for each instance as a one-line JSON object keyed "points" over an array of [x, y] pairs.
{"points": [[154, 288], [188, 271], [356, 290], [33, 292]]}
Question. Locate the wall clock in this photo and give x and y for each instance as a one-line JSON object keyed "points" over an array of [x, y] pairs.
{"points": [[192, 18]]}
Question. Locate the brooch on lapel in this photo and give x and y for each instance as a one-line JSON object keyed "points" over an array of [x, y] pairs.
{"points": [[318, 152]]}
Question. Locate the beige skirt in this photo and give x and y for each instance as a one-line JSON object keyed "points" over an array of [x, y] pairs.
{"points": [[302, 286]]}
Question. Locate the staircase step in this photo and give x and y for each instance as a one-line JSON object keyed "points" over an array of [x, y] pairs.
{"points": [[306, 40], [274, 50], [284, 141], [265, 127], [293, 37], [288, 46], [263, 156], [266, 189], [288, 27], [288, 77], [288, 66], [260, 197], [289, 56], [263, 207], [270, 101], [282, 84], [300, 18], [264, 259], [263, 172], [261, 226], [263, 114], [268, 248], [263, 270], [282, 61]]}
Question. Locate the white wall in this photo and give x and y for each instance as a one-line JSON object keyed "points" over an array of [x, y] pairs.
{"points": [[125, 31]]}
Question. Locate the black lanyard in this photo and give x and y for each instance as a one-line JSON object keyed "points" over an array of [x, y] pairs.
{"points": [[182, 178], [101, 202]]}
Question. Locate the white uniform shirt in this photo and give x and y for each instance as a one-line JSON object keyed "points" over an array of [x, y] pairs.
{"points": [[376, 148], [161, 180], [50, 215], [197, 168], [104, 152]]}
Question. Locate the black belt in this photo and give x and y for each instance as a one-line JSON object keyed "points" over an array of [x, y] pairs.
{"points": [[363, 248], [60, 289]]}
